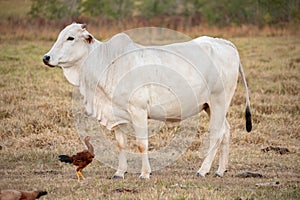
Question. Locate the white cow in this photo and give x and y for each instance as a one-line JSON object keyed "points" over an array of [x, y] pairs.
{"points": [[126, 83]]}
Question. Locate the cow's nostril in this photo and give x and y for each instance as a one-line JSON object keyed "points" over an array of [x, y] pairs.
{"points": [[46, 59]]}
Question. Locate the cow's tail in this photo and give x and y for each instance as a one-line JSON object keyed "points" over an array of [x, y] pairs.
{"points": [[248, 112]]}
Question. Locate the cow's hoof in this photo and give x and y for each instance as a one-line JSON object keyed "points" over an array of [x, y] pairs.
{"points": [[198, 174], [144, 176], [117, 177], [218, 175]]}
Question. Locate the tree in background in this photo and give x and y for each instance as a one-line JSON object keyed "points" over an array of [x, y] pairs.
{"points": [[215, 12], [55, 9], [257, 12], [275, 11], [153, 8], [224, 12], [115, 9], [92, 8]]}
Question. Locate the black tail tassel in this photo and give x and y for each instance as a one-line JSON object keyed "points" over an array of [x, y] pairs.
{"points": [[248, 119]]}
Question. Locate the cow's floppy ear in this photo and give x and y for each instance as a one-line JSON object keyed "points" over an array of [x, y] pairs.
{"points": [[89, 38]]}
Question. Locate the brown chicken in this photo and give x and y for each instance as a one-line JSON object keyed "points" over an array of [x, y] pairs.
{"points": [[81, 159], [21, 195]]}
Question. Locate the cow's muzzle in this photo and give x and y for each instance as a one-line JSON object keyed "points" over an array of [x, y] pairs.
{"points": [[46, 60]]}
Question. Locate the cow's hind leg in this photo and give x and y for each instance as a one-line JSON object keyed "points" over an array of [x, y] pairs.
{"points": [[224, 151], [121, 145], [216, 133]]}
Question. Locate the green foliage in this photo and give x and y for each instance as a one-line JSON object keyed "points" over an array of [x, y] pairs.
{"points": [[152, 8], [258, 12], [217, 12], [192, 7], [116, 9], [223, 12], [92, 7], [274, 11], [55, 9]]}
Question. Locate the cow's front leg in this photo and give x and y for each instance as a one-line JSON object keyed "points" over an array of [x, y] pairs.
{"points": [[121, 145], [142, 145], [139, 120]]}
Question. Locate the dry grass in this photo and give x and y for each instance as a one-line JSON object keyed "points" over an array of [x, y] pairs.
{"points": [[37, 124], [48, 30]]}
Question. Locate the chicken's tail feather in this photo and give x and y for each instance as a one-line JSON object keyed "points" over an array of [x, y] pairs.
{"points": [[41, 193], [65, 158]]}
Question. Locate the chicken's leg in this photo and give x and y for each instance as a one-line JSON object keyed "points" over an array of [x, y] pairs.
{"points": [[78, 177], [79, 174]]}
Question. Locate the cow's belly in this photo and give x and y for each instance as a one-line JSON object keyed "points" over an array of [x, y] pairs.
{"points": [[176, 102], [159, 112]]}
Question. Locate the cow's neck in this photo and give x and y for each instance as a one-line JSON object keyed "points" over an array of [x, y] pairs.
{"points": [[94, 45]]}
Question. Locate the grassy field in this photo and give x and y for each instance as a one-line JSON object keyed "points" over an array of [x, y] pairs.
{"points": [[37, 124]]}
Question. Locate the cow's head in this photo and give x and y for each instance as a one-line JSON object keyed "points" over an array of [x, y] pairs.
{"points": [[70, 50]]}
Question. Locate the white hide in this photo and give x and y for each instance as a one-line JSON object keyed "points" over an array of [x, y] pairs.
{"points": [[122, 67], [123, 82]]}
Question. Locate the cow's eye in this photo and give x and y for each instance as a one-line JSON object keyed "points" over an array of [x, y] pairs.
{"points": [[70, 38]]}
